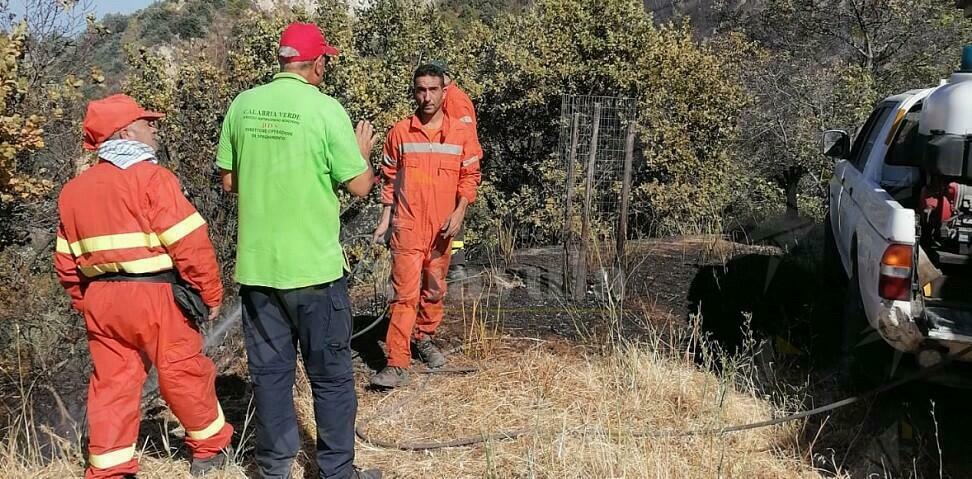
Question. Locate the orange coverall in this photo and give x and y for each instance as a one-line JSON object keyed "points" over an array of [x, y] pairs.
{"points": [[138, 221], [425, 173], [459, 106]]}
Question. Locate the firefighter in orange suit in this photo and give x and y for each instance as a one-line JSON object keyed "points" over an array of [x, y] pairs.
{"points": [[430, 171], [127, 233], [458, 106]]}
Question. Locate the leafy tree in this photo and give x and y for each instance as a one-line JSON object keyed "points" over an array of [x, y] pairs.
{"points": [[825, 70], [792, 100], [19, 132], [688, 108]]}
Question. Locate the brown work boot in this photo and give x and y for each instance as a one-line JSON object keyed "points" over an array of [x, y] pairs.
{"points": [[390, 377], [200, 467], [430, 353]]}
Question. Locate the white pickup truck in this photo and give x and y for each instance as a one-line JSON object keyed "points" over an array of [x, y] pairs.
{"points": [[900, 218]]}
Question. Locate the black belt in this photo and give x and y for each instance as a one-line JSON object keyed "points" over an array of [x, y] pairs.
{"points": [[169, 277]]}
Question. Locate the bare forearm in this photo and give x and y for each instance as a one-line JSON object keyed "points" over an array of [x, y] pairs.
{"points": [[361, 185], [462, 204], [229, 183]]}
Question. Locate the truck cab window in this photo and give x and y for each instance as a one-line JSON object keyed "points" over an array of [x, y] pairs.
{"points": [[868, 136], [903, 150]]}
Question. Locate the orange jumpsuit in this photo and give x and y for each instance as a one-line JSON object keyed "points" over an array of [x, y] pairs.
{"points": [[459, 106], [425, 173], [138, 221]]}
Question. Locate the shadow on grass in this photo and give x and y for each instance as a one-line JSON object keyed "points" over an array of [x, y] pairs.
{"points": [[792, 301], [780, 297]]}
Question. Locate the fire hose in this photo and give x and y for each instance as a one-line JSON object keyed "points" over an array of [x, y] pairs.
{"points": [[516, 433]]}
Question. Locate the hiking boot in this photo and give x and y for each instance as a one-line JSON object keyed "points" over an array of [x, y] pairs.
{"points": [[390, 377], [369, 474], [201, 467], [430, 354], [456, 273]]}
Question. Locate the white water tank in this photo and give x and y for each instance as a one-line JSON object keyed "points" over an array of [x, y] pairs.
{"points": [[948, 110]]}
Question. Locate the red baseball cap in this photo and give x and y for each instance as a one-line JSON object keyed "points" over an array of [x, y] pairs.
{"points": [[108, 115], [301, 42]]}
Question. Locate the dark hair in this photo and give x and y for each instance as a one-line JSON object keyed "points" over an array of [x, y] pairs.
{"points": [[429, 70]]}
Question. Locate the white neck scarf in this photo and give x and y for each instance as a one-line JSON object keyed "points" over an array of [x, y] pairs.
{"points": [[125, 153]]}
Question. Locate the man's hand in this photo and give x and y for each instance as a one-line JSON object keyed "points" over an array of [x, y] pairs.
{"points": [[229, 182], [214, 312], [454, 221], [365, 133], [381, 232]]}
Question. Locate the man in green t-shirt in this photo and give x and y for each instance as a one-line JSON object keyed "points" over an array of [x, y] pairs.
{"points": [[285, 147]]}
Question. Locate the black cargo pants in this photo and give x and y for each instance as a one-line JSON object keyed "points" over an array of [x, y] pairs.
{"points": [[316, 321]]}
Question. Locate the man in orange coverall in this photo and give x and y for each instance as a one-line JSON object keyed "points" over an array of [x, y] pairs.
{"points": [[127, 233], [430, 171]]}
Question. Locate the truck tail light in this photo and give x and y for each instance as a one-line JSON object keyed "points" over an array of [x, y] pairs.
{"points": [[896, 267]]}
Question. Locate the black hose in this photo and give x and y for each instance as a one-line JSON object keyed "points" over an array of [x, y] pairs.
{"points": [[381, 317]]}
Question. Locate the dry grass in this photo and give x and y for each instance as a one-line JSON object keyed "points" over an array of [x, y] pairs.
{"points": [[585, 411], [583, 408]]}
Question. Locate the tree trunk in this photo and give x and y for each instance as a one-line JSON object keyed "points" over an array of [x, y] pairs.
{"points": [[791, 187]]}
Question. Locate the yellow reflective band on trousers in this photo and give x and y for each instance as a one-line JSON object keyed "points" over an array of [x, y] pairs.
{"points": [[63, 246], [154, 264], [458, 244], [181, 229], [119, 241], [212, 429], [112, 459]]}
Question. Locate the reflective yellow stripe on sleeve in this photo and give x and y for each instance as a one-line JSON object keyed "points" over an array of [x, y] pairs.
{"points": [[154, 264], [63, 246], [458, 244], [118, 241], [212, 429], [112, 459], [182, 228]]}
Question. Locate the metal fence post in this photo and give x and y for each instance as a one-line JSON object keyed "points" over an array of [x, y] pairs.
{"points": [[580, 276], [569, 245], [622, 233]]}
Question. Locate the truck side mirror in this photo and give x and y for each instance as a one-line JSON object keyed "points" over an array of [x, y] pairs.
{"points": [[836, 144]]}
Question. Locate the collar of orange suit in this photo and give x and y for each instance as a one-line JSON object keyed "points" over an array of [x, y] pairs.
{"points": [[416, 124]]}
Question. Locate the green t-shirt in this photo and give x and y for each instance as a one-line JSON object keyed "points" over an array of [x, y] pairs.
{"points": [[290, 146]]}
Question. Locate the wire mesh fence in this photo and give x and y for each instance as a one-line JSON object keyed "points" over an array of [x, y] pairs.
{"points": [[611, 116], [596, 143]]}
